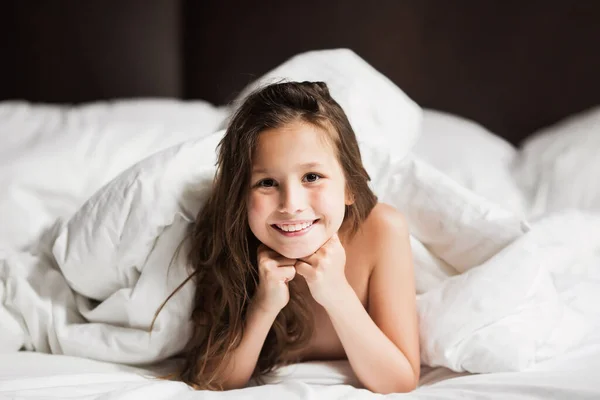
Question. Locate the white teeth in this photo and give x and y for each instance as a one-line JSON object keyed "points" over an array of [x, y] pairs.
{"points": [[294, 227]]}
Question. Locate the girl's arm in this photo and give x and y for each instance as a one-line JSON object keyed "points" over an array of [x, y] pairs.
{"points": [[244, 358], [382, 344], [272, 294]]}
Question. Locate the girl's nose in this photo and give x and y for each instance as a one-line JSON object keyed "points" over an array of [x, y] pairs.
{"points": [[292, 199]]}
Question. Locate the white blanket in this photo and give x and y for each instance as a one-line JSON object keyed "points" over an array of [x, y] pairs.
{"points": [[493, 295]]}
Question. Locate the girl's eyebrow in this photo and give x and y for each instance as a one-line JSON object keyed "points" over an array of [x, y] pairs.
{"points": [[308, 165], [259, 170], [313, 164]]}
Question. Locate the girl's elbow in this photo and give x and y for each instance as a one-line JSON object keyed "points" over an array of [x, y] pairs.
{"points": [[409, 386], [396, 384], [394, 388]]}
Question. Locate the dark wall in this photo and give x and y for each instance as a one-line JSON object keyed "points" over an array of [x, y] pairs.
{"points": [[512, 65], [78, 50]]}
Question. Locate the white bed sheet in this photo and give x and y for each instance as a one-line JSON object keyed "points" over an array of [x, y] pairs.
{"points": [[41, 376]]}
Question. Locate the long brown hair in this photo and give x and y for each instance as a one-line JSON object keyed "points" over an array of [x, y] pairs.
{"points": [[222, 253]]}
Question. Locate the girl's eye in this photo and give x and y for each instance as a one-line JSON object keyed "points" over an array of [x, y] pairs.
{"points": [[312, 177], [266, 183]]}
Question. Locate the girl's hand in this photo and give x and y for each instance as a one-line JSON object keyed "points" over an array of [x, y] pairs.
{"points": [[324, 271], [274, 273]]}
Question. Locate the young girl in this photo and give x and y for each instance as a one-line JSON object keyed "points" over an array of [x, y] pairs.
{"points": [[293, 257]]}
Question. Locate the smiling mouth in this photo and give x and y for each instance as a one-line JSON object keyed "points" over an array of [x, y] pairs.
{"points": [[294, 229]]}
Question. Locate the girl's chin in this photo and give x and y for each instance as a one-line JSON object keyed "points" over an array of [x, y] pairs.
{"points": [[297, 253], [294, 255]]}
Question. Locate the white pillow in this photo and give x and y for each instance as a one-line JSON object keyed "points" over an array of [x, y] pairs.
{"points": [[53, 158], [381, 114], [458, 226], [472, 156], [559, 167]]}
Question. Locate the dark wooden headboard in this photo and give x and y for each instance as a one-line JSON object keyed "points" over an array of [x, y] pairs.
{"points": [[514, 66]]}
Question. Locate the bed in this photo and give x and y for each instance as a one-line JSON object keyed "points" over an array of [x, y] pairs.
{"points": [[484, 117]]}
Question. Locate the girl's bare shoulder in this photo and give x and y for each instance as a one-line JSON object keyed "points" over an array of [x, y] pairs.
{"points": [[384, 219], [384, 226]]}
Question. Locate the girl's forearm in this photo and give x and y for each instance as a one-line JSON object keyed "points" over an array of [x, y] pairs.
{"points": [[245, 357], [375, 359]]}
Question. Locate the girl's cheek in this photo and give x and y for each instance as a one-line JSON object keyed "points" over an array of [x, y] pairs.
{"points": [[319, 198], [328, 199], [259, 206], [253, 209]]}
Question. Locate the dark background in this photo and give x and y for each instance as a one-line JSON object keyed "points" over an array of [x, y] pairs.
{"points": [[513, 66]]}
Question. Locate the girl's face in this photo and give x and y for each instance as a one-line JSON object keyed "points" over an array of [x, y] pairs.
{"points": [[297, 192]]}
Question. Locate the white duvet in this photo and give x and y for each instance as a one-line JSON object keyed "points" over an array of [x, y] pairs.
{"points": [[90, 219]]}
